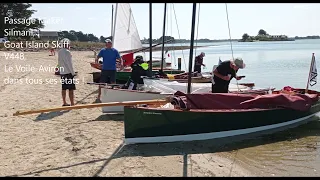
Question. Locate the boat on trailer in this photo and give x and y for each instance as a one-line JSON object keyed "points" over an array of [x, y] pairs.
{"points": [[193, 117]]}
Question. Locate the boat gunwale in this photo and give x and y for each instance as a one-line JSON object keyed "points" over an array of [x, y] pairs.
{"points": [[170, 94], [217, 110], [137, 91]]}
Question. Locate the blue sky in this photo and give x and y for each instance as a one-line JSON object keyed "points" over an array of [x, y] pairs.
{"points": [[288, 18]]}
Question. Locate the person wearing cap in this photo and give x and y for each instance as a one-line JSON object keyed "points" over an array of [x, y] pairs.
{"points": [[110, 57], [66, 72], [199, 62], [224, 73], [139, 68]]}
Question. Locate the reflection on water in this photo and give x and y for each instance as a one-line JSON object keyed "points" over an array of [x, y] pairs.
{"points": [[292, 152]]}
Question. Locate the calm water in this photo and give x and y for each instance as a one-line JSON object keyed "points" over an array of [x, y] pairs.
{"points": [[275, 64], [292, 152]]}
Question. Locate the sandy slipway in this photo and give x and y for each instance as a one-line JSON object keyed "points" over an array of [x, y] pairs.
{"points": [[81, 142]]}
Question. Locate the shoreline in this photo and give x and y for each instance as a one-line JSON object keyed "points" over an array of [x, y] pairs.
{"points": [[81, 142], [73, 48]]}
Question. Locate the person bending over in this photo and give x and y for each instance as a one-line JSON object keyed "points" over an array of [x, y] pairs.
{"points": [[223, 74]]}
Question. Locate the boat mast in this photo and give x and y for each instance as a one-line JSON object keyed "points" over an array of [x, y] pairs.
{"points": [[112, 22], [115, 21], [150, 37], [194, 9], [163, 36]]}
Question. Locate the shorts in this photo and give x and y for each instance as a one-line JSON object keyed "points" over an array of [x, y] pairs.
{"points": [[67, 82], [219, 89], [108, 76]]}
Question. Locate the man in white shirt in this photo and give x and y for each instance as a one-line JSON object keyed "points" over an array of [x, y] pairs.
{"points": [[66, 72]]}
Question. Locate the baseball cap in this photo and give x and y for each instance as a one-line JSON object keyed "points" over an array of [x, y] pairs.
{"points": [[108, 41]]}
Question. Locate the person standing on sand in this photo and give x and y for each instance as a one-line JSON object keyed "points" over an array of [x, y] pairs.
{"points": [[110, 57], [199, 62], [66, 72]]}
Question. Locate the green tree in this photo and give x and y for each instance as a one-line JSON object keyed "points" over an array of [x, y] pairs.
{"points": [[18, 10], [262, 32], [102, 39], [245, 36], [92, 38], [166, 38]]}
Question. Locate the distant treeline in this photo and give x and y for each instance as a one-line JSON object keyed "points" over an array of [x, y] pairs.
{"points": [[173, 40], [81, 37], [307, 37]]}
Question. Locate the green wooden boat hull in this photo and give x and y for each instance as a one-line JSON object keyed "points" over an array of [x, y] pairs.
{"points": [[151, 125]]}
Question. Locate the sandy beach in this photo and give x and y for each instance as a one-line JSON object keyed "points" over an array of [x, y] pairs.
{"points": [[84, 142]]}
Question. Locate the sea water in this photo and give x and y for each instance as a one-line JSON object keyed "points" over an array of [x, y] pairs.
{"points": [[290, 152]]}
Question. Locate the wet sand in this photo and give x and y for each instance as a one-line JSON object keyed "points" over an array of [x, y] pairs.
{"points": [[83, 142]]}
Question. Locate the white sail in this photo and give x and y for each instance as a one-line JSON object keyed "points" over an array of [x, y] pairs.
{"points": [[126, 35]]}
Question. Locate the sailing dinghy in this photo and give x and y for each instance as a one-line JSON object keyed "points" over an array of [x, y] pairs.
{"points": [[127, 41], [161, 87], [191, 117]]}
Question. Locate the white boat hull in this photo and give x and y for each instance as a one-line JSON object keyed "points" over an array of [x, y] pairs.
{"points": [[155, 89], [118, 95]]}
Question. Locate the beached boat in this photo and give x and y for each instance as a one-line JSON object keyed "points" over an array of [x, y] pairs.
{"points": [[209, 116], [157, 63], [124, 74], [190, 117], [162, 87], [127, 41], [157, 89]]}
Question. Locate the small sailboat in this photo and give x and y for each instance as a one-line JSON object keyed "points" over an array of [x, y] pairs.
{"points": [[126, 40], [190, 117]]}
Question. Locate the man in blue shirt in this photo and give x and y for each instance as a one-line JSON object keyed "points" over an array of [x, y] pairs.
{"points": [[110, 57]]}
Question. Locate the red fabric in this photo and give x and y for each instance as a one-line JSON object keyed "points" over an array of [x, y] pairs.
{"points": [[288, 88], [127, 59], [300, 102]]}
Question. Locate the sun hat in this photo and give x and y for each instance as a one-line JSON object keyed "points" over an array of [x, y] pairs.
{"points": [[239, 63]]}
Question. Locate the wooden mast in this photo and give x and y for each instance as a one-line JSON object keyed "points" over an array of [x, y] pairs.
{"points": [[194, 9]]}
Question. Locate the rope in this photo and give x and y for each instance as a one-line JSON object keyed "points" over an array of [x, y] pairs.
{"points": [[173, 51], [184, 61], [231, 42]]}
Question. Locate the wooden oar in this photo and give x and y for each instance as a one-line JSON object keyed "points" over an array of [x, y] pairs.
{"points": [[124, 103]]}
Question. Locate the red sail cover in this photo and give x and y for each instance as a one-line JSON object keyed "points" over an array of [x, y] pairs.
{"points": [[300, 102], [127, 59]]}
